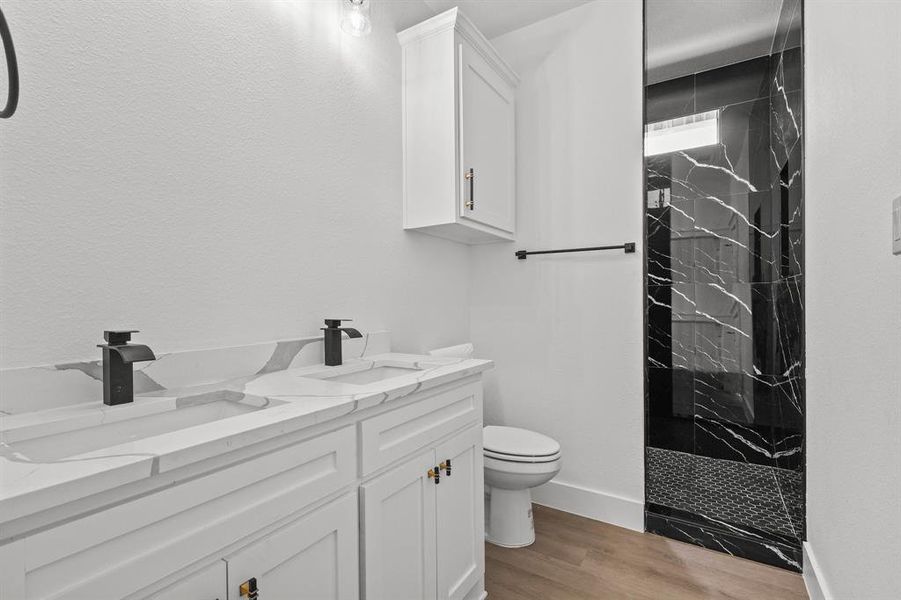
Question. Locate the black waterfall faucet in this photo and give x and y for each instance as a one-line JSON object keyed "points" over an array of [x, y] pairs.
{"points": [[118, 357], [332, 338]]}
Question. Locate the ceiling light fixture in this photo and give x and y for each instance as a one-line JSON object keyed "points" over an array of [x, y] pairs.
{"points": [[355, 19]]}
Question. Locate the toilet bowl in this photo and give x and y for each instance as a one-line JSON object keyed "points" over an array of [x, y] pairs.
{"points": [[516, 460]]}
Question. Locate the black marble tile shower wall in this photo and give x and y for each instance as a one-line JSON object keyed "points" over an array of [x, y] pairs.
{"points": [[725, 287]]}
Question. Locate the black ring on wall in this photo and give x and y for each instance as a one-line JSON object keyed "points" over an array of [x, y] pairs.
{"points": [[12, 68]]}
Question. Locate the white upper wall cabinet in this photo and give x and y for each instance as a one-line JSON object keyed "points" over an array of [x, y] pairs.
{"points": [[459, 132]]}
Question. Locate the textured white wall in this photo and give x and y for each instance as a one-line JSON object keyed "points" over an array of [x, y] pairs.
{"points": [[853, 170], [566, 331], [211, 173], [226, 173]]}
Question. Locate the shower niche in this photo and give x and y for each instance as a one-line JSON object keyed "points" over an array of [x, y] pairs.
{"points": [[724, 212]]}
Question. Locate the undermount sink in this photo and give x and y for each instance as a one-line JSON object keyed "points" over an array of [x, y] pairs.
{"points": [[122, 428], [370, 375]]}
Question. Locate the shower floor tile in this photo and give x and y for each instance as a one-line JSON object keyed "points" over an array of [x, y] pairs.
{"points": [[734, 492]]}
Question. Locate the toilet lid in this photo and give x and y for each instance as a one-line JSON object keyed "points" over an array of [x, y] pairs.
{"points": [[516, 442], [521, 459]]}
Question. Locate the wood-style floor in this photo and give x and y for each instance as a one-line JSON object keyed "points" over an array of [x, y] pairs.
{"points": [[574, 558]]}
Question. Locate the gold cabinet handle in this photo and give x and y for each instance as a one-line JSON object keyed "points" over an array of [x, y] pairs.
{"points": [[471, 177], [446, 465], [435, 473]]}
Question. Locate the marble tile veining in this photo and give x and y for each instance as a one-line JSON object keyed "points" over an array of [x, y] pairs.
{"points": [[725, 310], [724, 537]]}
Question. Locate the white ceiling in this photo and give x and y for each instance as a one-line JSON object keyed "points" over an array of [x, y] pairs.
{"points": [[496, 17], [687, 36]]}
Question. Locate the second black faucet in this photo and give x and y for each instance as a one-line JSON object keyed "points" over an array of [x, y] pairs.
{"points": [[118, 357], [332, 339]]}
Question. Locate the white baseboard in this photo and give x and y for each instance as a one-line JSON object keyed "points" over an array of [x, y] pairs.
{"points": [[593, 504], [813, 576]]}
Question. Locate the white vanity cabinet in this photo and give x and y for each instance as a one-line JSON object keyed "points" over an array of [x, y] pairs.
{"points": [[286, 512], [458, 131], [423, 536]]}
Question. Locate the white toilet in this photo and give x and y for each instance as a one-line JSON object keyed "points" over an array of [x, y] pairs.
{"points": [[516, 460]]}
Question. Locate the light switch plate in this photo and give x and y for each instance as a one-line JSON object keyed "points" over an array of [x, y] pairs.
{"points": [[896, 226]]}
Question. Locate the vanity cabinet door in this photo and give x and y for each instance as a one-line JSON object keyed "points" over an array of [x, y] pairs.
{"points": [[399, 551], [460, 515], [487, 148], [313, 558]]}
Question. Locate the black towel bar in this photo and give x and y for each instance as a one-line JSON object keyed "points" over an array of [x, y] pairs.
{"points": [[629, 248]]}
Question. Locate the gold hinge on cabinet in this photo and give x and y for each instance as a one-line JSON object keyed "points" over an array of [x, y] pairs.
{"points": [[249, 589], [470, 177], [435, 473], [446, 465]]}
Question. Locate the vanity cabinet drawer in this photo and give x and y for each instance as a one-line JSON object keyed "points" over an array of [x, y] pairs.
{"points": [[208, 583], [390, 436], [125, 548]]}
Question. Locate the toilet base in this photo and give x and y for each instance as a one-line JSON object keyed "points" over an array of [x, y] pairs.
{"points": [[510, 518]]}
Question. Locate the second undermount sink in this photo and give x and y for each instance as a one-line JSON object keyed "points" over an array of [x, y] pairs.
{"points": [[370, 375], [127, 423]]}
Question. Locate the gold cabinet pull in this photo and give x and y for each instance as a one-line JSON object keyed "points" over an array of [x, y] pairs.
{"points": [[446, 465], [435, 473], [249, 589]]}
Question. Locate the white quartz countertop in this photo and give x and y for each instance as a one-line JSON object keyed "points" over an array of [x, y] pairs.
{"points": [[37, 475]]}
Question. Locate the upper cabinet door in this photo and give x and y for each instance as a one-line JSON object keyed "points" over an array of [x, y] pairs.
{"points": [[487, 144], [460, 509], [399, 541], [458, 119], [313, 557]]}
